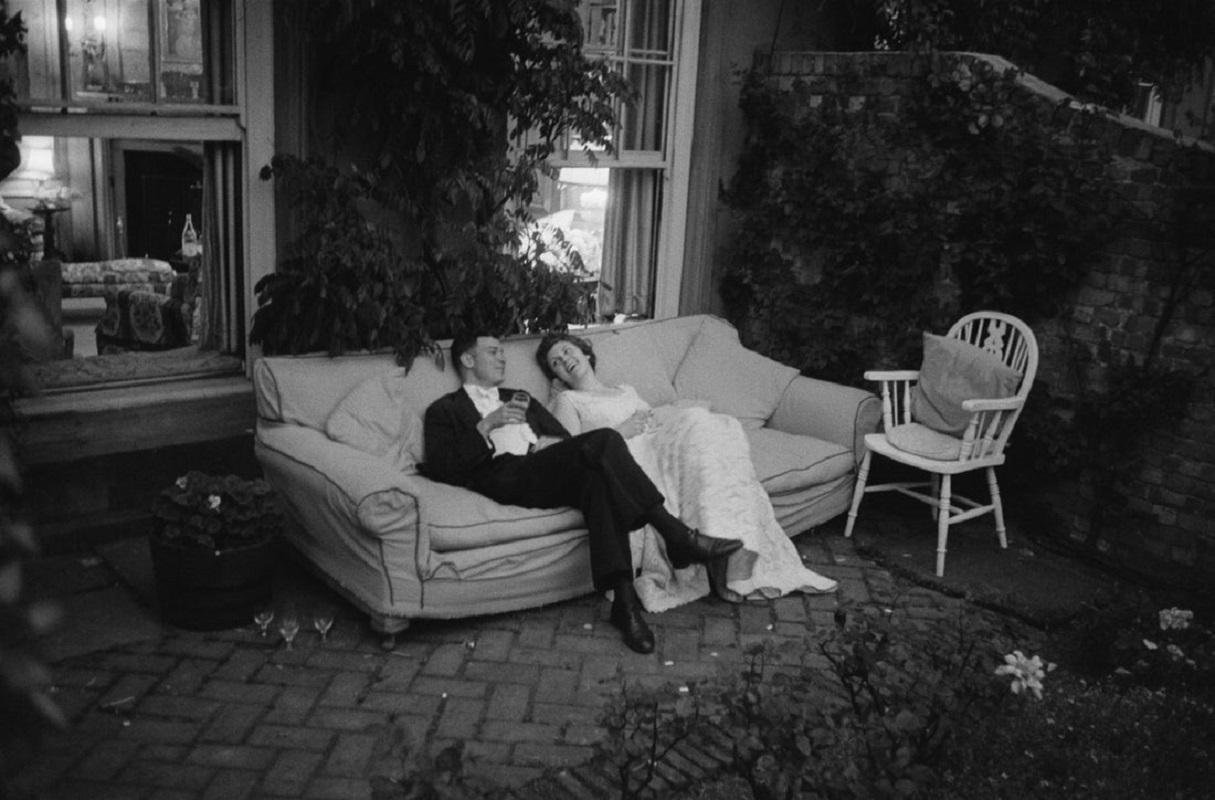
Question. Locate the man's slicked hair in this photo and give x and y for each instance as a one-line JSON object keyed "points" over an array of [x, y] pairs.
{"points": [[464, 341]]}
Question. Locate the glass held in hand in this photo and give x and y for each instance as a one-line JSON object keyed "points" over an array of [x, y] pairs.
{"points": [[521, 400], [289, 626], [263, 618]]}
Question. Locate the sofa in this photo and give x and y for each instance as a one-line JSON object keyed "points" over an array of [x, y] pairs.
{"points": [[340, 438]]}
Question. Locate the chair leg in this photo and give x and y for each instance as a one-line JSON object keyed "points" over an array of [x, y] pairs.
{"points": [[858, 493], [943, 522], [996, 507], [936, 492]]}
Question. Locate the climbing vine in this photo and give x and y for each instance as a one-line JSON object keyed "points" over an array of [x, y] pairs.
{"points": [[857, 227]]}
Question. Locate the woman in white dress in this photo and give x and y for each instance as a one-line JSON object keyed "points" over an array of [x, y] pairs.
{"points": [[701, 462]]}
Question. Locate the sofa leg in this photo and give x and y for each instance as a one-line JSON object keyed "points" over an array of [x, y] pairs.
{"points": [[389, 627]]}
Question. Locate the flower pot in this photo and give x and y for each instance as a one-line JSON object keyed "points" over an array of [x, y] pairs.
{"points": [[206, 590]]}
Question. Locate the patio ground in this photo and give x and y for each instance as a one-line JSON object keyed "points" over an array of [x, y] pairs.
{"points": [[158, 712]]}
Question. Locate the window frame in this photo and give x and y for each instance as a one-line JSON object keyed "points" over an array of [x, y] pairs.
{"points": [[673, 160], [248, 124]]}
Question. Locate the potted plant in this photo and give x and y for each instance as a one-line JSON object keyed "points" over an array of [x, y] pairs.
{"points": [[213, 549]]}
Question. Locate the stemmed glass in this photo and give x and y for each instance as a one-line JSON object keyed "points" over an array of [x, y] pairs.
{"points": [[322, 620], [263, 618], [289, 626]]}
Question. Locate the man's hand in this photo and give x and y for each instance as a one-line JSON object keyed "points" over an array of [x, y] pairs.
{"points": [[505, 414]]}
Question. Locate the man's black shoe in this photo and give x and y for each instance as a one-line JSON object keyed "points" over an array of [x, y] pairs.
{"points": [[637, 635], [694, 546]]}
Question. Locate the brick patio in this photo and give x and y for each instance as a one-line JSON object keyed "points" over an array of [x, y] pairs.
{"points": [[234, 715]]}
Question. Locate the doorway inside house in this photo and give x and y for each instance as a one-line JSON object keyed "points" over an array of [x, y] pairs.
{"points": [[157, 188]]}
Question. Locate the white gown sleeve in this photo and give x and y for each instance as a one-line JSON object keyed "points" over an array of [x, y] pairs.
{"points": [[563, 409]]}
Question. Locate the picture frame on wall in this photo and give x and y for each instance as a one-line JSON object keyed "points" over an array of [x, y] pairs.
{"points": [[181, 51]]}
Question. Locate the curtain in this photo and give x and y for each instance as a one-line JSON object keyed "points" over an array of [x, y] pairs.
{"points": [[631, 242], [221, 300]]}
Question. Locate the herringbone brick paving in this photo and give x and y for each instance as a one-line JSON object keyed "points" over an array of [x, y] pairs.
{"points": [[234, 715]]}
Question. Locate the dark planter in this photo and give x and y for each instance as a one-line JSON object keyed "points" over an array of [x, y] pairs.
{"points": [[207, 590]]}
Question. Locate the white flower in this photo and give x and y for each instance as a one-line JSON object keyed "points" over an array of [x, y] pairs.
{"points": [[213, 502], [1027, 672], [1150, 645], [1175, 652], [182, 483], [1175, 618]]}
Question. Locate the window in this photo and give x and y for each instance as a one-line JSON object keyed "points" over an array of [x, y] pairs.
{"points": [[100, 52], [624, 211], [133, 117]]}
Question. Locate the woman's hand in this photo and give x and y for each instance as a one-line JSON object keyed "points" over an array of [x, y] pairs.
{"points": [[636, 424]]}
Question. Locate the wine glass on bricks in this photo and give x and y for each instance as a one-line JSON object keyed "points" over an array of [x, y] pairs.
{"points": [[263, 618], [322, 620], [289, 626]]}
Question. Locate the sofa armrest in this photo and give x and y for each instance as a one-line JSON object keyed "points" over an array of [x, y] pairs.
{"points": [[333, 482], [829, 411]]}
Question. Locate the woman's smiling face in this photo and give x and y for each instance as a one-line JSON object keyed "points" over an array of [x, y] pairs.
{"points": [[568, 362]]}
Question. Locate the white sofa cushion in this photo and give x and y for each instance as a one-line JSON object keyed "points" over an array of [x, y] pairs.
{"points": [[733, 379], [631, 355], [376, 417], [458, 519], [788, 461]]}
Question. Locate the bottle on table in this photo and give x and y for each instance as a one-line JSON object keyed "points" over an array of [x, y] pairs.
{"points": [[190, 244]]}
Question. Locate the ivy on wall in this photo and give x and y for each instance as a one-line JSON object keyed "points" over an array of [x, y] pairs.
{"points": [[864, 217], [857, 228]]}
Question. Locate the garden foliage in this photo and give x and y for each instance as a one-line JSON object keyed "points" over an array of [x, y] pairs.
{"points": [[858, 228], [929, 710], [26, 706], [416, 223], [1098, 50]]}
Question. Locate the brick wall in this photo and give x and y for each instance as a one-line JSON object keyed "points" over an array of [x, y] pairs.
{"points": [[1168, 529]]}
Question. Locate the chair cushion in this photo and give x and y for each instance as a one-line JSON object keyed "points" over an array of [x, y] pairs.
{"points": [[786, 462], [919, 440], [953, 371], [376, 418], [733, 379]]}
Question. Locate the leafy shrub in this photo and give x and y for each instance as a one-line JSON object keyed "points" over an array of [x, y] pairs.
{"points": [[216, 512], [416, 225], [1089, 739], [858, 228], [877, 723]]}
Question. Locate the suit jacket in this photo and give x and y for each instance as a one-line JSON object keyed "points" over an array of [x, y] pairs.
{"points": [[455, 451]]}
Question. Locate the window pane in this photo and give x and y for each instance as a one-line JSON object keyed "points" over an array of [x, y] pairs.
{"points": [[575, 204], [643, 123], [36, 72], [107, 51]]}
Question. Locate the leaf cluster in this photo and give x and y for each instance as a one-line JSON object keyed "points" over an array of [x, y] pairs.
{"points": [[216, 512]]}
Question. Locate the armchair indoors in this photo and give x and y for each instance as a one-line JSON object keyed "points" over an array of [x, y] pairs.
{"points": [[952, 416]]}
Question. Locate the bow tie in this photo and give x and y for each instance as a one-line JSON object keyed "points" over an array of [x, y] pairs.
{"points": [[482, 392]]}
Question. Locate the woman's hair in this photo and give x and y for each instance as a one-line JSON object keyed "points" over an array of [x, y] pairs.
{"points": [[551, 339]]}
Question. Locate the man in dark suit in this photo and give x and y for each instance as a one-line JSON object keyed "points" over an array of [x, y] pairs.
{"points": [[506, 446]]}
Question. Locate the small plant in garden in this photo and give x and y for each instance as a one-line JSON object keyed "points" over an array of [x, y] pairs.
{"points": [[1027, 673], [216, 512]]}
